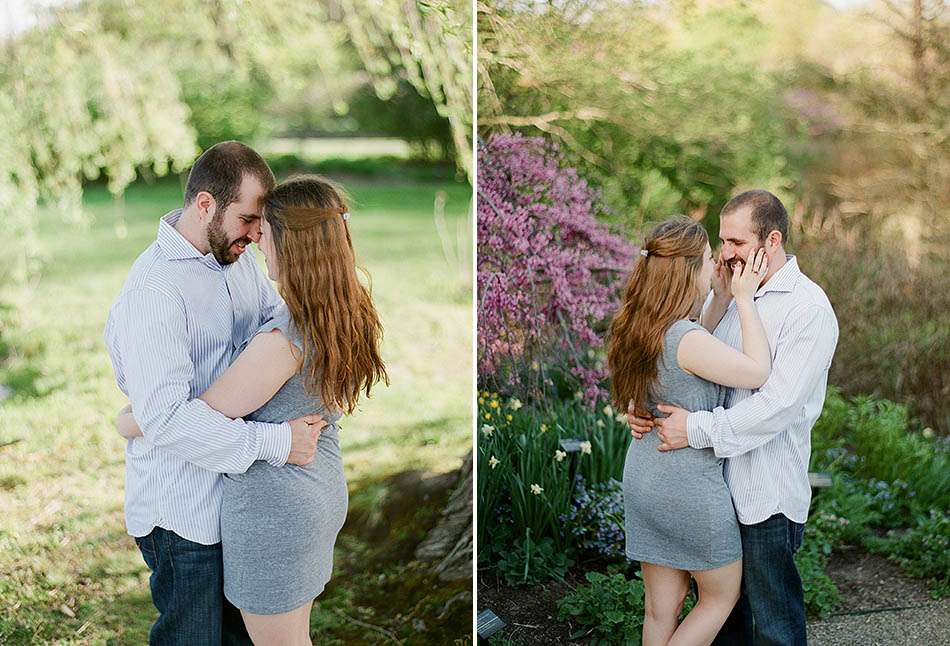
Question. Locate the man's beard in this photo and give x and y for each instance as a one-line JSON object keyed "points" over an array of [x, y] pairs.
{"points": [[219, 244]]}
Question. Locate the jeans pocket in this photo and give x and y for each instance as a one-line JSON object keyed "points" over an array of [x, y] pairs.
{"points": [[146, 545], [796, 533]]}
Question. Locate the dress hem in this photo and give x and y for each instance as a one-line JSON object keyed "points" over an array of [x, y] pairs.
{"points": [[679, 566], [282, 609]]}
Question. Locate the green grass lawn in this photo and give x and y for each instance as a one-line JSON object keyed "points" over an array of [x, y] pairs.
{"points": [[68, 571]]}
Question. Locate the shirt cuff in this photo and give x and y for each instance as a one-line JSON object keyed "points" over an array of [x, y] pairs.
{"points": [[696, 436], [275, 443]]}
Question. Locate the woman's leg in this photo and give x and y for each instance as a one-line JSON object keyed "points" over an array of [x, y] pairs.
{"points": [[718, 593], [290, 628], [665, 590]]}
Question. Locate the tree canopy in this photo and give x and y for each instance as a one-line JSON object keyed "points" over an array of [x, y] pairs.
{"points": [[112, 89]]}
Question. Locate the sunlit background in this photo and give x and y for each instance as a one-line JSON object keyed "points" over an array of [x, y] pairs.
{"points": [[104, 105]]}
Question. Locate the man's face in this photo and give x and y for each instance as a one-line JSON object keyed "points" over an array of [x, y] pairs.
{"points": [[738, 240], [239, 224]]}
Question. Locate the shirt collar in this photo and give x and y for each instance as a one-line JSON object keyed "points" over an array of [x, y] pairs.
{"points": [[784, 280], [175, 246]]}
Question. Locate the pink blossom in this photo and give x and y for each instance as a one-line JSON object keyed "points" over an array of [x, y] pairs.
{"points": [[548, 270]]}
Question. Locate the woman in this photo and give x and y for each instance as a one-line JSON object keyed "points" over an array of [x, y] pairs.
{"points": [[680, 521], [315, 356]]}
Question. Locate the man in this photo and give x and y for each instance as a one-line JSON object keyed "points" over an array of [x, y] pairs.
{"points": [[190, 299], [765, 435]]}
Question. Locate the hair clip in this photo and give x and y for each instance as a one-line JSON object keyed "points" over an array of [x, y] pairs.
{"points": [[644, 253], [346, 215]]}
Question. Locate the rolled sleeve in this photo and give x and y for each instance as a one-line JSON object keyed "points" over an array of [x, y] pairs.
{"points": [[275, 447], [696, 423]]}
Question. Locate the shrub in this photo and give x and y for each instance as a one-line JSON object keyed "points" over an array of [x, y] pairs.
{"points": [[894, 340], [880, 444], [548, 271], [821, 594], [596, 518], [886, 477], [610, 605], [922, 551]]}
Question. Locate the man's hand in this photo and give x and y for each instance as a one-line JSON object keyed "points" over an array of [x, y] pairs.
{"points": [[304, 433], [672, 428], [640, 422]]}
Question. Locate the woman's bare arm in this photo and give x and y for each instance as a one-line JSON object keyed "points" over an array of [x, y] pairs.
{"points": [[265, 365], [702, 354], [125, 424], [721, 297]]}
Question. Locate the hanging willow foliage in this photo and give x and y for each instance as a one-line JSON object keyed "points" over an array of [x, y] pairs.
{"points": [[77, 103], [115, 87], [432, 41]]}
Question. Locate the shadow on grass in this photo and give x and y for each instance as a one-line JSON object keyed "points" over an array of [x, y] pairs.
{"points": [[22, 381], [25, 382], [423, 432], [379, 593]]}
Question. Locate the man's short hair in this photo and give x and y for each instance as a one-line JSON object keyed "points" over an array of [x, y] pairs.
{"points": [[767, 212], [221, 169]]}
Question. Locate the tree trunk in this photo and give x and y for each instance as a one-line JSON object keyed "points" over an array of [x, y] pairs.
{"points": [[449, 543]]}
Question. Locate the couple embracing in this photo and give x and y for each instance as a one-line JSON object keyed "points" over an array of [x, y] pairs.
{"points": [[234, 488], [722, 366]]}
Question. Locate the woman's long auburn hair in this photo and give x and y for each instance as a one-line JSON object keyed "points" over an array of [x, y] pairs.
{"points": [[663, 288], [317, 279]]}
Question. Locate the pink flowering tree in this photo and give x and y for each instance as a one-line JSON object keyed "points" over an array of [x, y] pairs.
{"points": [[548, 271]]}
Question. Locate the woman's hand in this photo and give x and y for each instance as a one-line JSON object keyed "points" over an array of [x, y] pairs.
{"points": [[747, 278], [125, 424]]}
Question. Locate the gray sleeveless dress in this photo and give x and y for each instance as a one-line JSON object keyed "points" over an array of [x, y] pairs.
{"points": [[279, 524], [678, 511]]}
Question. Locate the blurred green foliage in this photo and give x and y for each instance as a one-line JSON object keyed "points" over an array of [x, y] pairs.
{"points": [[665, 108], [120, 89], [407, 115], [675, 106]]}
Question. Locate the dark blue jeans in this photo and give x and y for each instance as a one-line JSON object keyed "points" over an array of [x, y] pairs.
{"points": [[771, 607], [187, 584]]}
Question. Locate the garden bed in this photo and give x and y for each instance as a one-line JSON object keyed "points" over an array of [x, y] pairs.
{"points": [[880, 604]]}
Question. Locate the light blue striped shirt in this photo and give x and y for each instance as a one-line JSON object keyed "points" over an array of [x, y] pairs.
{"points": [[170, 334], [766, 433]]}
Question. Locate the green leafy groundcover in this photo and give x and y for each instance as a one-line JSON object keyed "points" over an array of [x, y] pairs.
{"points": [[612, 605]]}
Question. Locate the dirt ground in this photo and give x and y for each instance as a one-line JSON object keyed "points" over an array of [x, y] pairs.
{"points": [[880, 605]]}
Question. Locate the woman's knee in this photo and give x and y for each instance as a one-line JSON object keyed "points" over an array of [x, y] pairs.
{"points": [[664, 607], [290, 628]]}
